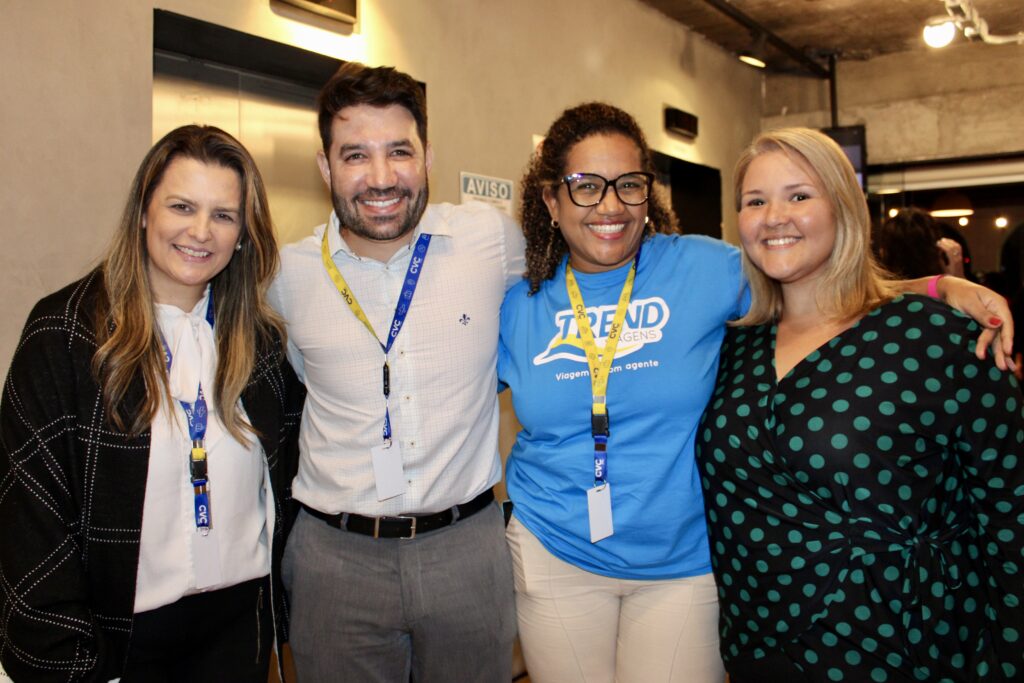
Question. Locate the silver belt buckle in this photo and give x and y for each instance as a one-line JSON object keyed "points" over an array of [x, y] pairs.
{"points": [[412, 530]]}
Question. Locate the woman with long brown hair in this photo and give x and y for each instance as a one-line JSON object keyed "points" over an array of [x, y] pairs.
{"points": [[148, 433]]}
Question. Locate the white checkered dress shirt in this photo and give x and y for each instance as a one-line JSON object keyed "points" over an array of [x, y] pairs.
{"points": [[444, 412]]}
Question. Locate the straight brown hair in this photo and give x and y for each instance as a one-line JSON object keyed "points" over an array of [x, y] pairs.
{"points": [[126, 324]]}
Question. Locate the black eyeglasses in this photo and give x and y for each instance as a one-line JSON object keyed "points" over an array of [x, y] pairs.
{"points": [[589, 189]]}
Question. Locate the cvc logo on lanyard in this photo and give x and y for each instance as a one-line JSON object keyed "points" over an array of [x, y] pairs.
{"points": [[197, 415]]}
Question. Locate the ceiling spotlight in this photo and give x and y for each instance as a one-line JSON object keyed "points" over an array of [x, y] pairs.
{"points": [[893, 213], [1001, 222], [755, 55], [964, 220], [952, 204], [748, 58], [939, 31], [962, 15]]}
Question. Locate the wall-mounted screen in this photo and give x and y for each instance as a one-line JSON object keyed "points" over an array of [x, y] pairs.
{"points": [[854, 143]]}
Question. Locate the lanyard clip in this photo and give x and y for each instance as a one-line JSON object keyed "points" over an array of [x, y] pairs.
{"points": [[197, 461], [197, 468], [599, 424]]}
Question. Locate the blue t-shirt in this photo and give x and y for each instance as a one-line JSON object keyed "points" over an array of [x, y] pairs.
{"points": [[686, 288]]}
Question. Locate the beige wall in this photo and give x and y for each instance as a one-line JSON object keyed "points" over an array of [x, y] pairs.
{"points": [[77, 112], [964, 100]]}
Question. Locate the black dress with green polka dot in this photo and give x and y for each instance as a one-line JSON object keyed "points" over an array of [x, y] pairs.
{"points": [[866, 511]]}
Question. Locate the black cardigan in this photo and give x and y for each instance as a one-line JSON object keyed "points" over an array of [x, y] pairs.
{"points": [[72, 488]]}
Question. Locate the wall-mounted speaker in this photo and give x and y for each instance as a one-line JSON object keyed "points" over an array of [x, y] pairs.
{"points": [[680, 122]]}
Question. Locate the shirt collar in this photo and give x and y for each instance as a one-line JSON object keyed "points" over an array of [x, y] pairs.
{"points": [[432, 223]]}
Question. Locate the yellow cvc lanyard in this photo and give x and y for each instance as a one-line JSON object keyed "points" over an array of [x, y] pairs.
{"points": [[600, 362], [412, 275], [343, 288]]}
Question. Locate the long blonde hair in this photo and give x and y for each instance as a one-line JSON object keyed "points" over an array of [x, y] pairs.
{"points": [[852, 283], [126, 324]]}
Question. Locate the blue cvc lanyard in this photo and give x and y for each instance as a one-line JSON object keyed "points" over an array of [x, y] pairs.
{"points": [[412, 277], [196, 414]]}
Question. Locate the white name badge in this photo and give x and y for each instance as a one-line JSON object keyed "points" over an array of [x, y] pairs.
{"points": [[206, 559], [387, 471], [599, 505]]}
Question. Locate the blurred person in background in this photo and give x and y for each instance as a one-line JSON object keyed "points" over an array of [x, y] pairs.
{"points": [[911, 245]]}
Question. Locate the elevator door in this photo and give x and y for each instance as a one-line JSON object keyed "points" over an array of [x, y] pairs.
{"points": [[274, 119]]}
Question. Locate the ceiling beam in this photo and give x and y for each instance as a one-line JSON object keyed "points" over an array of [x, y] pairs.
{"points": [[754, 27]]}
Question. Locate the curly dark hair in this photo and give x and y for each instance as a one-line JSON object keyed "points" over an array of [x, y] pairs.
{"points": [[545, 245]]}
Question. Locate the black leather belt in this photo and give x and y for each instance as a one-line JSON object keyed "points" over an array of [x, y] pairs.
{"points": [[403, 526]]}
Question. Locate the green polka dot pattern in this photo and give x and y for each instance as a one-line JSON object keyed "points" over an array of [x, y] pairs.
{"points": [[866, 512]]}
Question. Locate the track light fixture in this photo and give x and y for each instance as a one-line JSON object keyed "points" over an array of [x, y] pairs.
{"points": [[785, 50], [963, 15], [755, 55], [939, 31]]}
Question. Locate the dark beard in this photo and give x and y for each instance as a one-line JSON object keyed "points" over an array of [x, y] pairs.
{"points": [[350, 219]]}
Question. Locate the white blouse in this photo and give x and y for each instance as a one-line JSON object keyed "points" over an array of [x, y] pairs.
{"points": [[175, 559]]}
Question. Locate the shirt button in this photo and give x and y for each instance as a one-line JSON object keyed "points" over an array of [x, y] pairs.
{"points": [[408, 397]]}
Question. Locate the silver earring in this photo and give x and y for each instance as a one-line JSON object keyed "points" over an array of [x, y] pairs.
{"points": [[647, 219], [554, 224], [238, 247]]}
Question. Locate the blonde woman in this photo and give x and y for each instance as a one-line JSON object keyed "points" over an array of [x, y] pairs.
{"points": [[859, 462], [148, 441], [613, 572]]}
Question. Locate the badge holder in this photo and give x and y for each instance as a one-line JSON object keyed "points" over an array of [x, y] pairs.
{"points": [[599, 498], [205, 548], [387, 458]]}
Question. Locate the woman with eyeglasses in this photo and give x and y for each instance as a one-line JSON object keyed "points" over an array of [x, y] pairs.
{"points": [[148, 439], [610, 347]]}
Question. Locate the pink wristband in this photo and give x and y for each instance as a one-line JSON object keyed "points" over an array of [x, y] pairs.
{"points": [[933, 285]]}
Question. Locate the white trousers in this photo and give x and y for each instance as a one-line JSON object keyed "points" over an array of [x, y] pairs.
{"points": [[579, 627]]}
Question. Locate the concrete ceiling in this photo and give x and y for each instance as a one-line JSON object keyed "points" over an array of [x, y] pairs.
{"points": [[853, 29]]}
